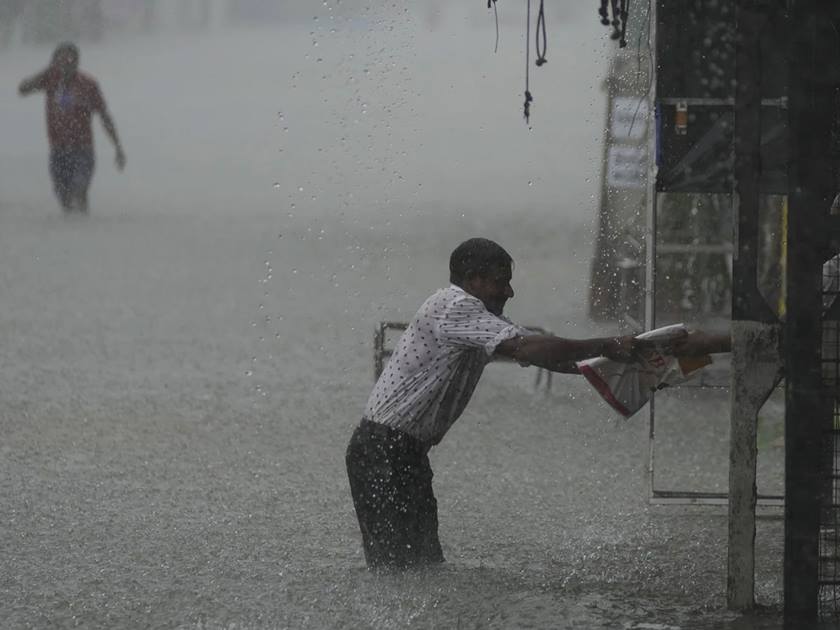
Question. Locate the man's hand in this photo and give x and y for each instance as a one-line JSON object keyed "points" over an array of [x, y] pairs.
{"points": [[623, 349], [120, 159], [698, 343], [32, 84]]}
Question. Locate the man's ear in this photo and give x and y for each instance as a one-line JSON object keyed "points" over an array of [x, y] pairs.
{"points": [[470, 279]]}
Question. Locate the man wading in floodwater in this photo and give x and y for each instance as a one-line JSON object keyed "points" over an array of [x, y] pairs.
{"points": [[72, 98], [425, 387]]}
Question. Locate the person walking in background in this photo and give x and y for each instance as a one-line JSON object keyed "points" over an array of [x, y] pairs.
{"points": [[72, 98]]}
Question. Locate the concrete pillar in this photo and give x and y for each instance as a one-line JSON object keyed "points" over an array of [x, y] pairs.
{"points": [[756, 369]]}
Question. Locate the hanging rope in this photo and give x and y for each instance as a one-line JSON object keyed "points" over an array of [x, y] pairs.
{"points": [[528, 98], [496, 13], [613, 13], [541, 30], [625, 10], [620, 10], [616, 22], [541, 46]]}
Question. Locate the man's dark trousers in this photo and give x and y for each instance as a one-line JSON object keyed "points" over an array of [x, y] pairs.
{"points": [[391, 483]]}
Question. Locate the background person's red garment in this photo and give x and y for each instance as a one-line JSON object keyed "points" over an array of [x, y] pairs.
{"points": [[70, 107]]}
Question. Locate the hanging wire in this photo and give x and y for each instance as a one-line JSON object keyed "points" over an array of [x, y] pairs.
{"points": [[646, 95], [528, 98], [541, 30], [616, 22], [625, 9], [603, 13], [541, 46], [496, 13], [619, 10], [639, 42]]}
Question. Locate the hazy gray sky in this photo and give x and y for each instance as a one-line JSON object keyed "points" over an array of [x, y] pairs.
{"points": [[362, 105]]}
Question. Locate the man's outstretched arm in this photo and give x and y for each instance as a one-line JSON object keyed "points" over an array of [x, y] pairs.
{"points": [[559, 354], [33, 84]]}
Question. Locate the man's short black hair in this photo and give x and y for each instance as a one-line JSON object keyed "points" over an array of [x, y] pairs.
{"points": [[477, 257]]}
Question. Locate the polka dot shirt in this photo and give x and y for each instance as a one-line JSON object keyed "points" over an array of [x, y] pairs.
{"points": [[436, 364]]}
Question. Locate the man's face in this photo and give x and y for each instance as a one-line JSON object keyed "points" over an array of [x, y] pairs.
{"points": [[67, 63], [492, 288]]}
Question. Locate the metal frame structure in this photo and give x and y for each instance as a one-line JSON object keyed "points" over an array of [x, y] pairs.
{"points": [[689, 497], [812, 512], [652, 249], [787, 49], [380, 351]]}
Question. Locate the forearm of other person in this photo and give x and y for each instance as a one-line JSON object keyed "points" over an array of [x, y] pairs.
{"points": [[559, 354], [698, 343], [111, 130], [32, 84]]}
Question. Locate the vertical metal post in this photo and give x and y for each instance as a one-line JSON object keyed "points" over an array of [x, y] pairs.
{"points": [[747, 301], [650, 225], [651, 197], [748, 306], [756, 368], [378, 349], [811, 185]]}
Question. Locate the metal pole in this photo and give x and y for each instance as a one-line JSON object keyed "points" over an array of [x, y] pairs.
{"points": [[748, 307], [651, 197], [811, 185], [650, 230]]}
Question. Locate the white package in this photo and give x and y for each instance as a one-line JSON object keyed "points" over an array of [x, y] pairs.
{"points": [[627, 386]]}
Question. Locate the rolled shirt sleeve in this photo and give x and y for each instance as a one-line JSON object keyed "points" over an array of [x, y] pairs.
{"points": [[467, 323], [436, 364], [95, 99]]}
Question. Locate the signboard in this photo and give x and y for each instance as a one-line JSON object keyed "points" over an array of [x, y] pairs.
{"points": [[627, 167], [629, 118]]}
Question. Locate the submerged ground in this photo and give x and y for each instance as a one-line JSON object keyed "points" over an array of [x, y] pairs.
{"points": [[182, 369]]}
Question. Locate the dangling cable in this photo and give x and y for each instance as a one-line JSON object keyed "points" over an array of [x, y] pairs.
{"points": [[603, 13], [541, 29], [644, 96], [625, 9], [620, 10], [496, 13], [616, 22], [528, 97]]}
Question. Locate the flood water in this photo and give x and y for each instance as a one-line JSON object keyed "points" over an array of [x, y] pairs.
{"points": [[182, 369]]}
